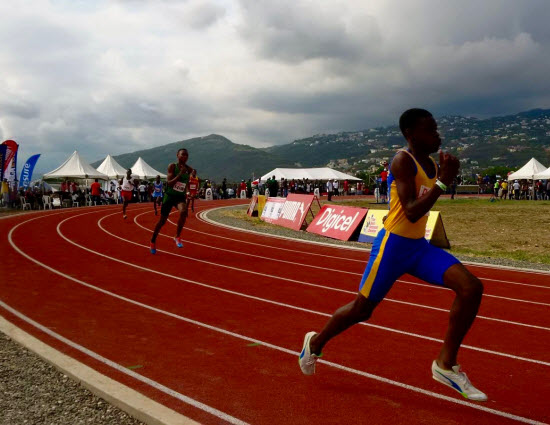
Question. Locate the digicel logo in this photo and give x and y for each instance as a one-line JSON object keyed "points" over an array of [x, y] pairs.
{"points": [[331, 220]]}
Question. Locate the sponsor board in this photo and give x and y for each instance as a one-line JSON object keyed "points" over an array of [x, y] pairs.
{"points": [[287, 212], [294, 210], [435, 231], [261, 204], [337, 222], [252, 206], [374, 222], [272, 209]]}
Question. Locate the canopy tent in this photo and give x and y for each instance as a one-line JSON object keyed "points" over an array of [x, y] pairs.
{"points": [[324, 173], [75, 168], [144, 171], [544, 175], [111, 168], [528, 171]]}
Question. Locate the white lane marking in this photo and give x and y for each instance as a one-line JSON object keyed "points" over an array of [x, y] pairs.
{"points": [[104, 360], [211, 222], [240, 294], [335, 270], [426, 285], [272, 346], [124, 370], [291, 280], [204, 217]]}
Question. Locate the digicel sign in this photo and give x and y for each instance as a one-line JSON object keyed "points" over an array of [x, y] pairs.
{"points": [[337, 222]]}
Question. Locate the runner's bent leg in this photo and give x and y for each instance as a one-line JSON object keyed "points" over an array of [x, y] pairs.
{"points": [[159, 225], [356, 311], [468, 290], [182, 207]]}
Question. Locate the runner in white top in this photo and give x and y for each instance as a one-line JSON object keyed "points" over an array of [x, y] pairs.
{"points": [[127, 184]]}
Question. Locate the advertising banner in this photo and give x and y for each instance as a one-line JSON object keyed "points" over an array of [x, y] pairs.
{"points": [[261, 204], [11, 150], [294, 211], [272, 209], [337, 222], [435, 231], [26, 172], [3, 150], [252, 206], [374, 222]]}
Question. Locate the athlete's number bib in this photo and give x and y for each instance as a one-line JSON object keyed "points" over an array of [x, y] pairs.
{"points": [[179, 187]]}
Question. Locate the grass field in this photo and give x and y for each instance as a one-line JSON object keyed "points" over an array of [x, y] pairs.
{"points": [[517, 230], [514, 230]]}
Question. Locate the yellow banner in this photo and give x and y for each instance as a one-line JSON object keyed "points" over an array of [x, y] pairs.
{"points": [[435, 231], [374, 222], [261, 204]]}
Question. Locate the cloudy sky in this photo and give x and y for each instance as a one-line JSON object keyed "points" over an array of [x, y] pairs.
{"points": [[113, 76]]}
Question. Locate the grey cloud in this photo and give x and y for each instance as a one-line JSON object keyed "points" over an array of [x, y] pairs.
{"points": [[294, 31], [19, 108], [204, 15]]}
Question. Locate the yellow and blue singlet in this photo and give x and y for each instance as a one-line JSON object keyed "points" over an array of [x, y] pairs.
{"points": [[400, 247]]}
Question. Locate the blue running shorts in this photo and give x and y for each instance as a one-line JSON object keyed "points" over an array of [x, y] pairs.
{"points": [[392, 256]]}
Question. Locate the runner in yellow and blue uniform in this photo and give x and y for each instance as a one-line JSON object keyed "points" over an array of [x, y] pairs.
{"points": [[415, 185], [174, 196]]}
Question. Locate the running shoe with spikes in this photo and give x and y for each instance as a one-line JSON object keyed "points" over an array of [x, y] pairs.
{"points": [[458, 381], [179, 242], [153, 247], [308, 359]]}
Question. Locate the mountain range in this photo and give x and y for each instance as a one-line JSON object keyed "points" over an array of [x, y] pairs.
{"points": [[508, 141]]}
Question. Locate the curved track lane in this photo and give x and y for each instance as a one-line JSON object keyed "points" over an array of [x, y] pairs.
{"points": [[213, 330]]}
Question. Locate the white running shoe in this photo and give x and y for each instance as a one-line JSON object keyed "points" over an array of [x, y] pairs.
{"points": [[457, 380], [307, 359]]}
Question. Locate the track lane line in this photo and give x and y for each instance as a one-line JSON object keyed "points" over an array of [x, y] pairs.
{"points": [[285, 305], [330, 288], [335, 270], [253, 340]]}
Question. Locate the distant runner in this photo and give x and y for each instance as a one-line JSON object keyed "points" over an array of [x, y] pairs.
{"points": [[127, 184], [157, 193], [415, 182], [175, 196], [193, 189]]}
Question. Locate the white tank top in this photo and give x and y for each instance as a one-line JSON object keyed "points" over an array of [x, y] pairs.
{"points": [[127, 185]]}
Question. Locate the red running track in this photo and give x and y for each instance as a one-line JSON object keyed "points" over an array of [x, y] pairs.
{"points": [[216, 327]]}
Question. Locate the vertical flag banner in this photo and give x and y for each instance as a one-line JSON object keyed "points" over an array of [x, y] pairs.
{"points": [[26, 172], [10, 161], [3, 151]]}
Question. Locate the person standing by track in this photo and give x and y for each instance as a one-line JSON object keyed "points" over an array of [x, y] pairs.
{"points": [[127, 184], [157, 194], [174, 196], [415, 182], [193, 189]]}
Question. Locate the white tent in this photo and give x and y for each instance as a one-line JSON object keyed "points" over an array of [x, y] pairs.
{"points": [[75, 168], [528, 171], [111, 168], [144, 171], [544, 175], [324, 173]]}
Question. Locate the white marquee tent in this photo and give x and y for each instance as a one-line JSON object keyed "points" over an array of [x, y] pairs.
{"points": [[324, 173], [111, 168], [544, 175], [144, 171], [528, 171], [75, 168]]}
